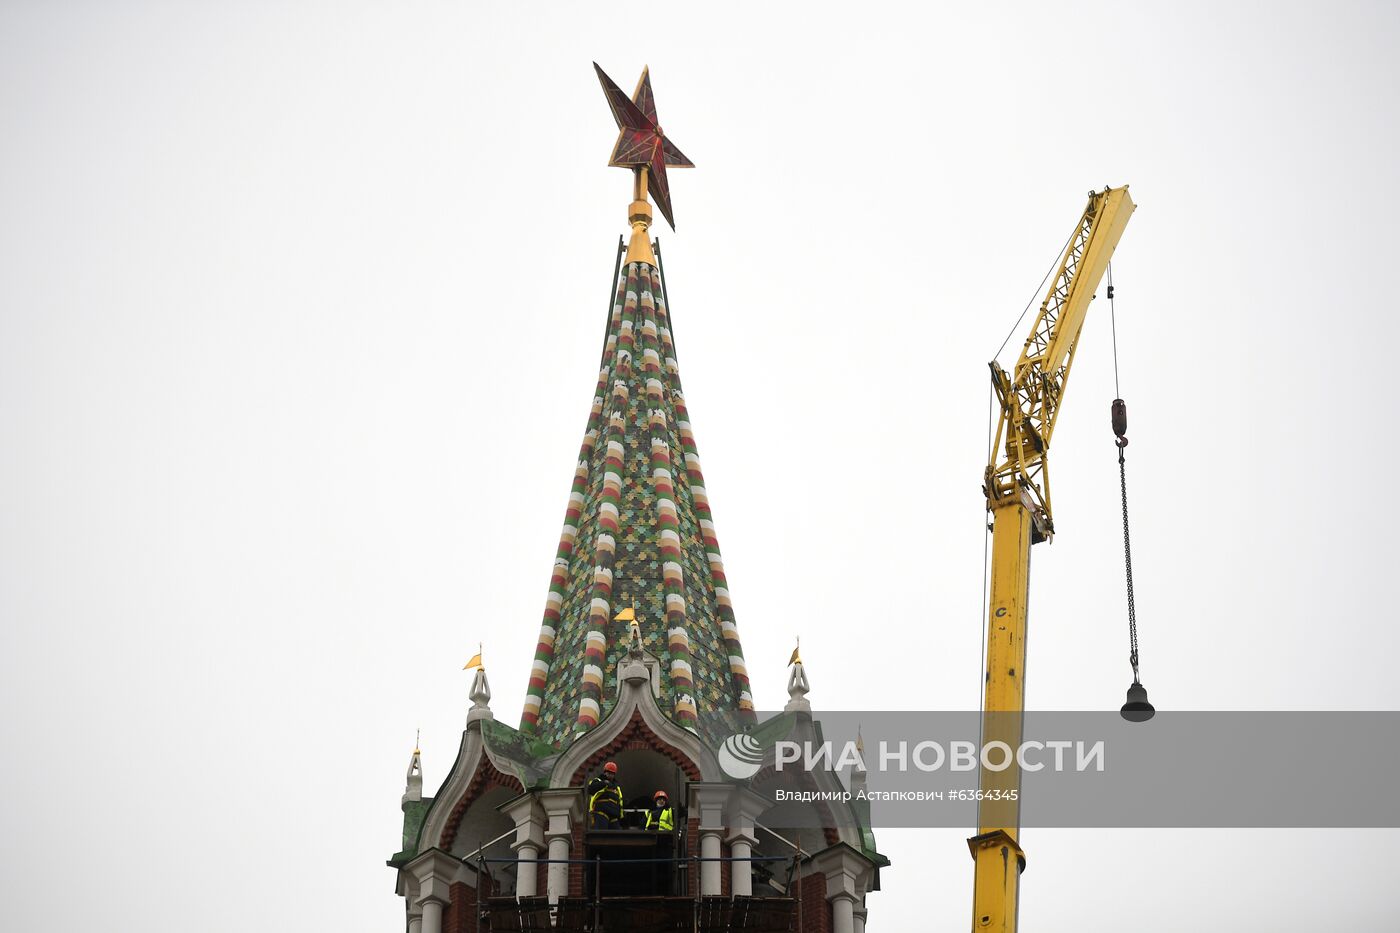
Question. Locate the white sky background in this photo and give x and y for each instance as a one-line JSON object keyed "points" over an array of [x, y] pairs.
{"points": [[300, 313]]}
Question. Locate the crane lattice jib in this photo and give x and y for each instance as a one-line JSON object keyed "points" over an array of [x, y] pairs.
{"points": [[1030, 396]]}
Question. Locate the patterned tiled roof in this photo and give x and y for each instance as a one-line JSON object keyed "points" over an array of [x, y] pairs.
{"points": [[637, 533]]}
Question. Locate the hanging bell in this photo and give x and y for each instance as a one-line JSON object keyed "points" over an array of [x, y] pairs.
{"points": [[1137, 709]]}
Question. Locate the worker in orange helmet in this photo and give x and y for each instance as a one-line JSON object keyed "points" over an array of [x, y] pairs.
{"points": [[605, 799], [661, 818]]}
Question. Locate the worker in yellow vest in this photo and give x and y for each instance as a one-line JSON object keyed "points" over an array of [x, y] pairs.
{"points": [[605, 799], [660, 818]]}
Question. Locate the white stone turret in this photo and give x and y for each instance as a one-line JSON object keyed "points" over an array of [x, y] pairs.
{"points": [[413, 789], [798, 689], [858, 774], [481, 698], [636, 671]]}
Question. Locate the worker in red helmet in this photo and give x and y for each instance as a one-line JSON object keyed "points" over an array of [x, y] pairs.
{"points": [[605, 799], [661, 818]]}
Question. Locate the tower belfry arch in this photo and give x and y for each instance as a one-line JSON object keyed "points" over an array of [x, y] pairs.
{"points": [[638, 665]]}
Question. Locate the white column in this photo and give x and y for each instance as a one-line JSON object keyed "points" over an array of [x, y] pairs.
{"points": [[432, 916], [744, 808], [860, 919], [848, 873], [740, 873], [434, 871], [710, 872], [415, 924], [525, 865], [708, 802], [562, 806], [558, 879], [843, 918], [530, 824]]}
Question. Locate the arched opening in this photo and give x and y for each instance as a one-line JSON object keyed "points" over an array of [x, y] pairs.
{"points": [[641, 854], [641, 773], [479, 834], [779, 830]]}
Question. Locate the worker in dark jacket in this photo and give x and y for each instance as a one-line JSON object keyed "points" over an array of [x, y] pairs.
{"points": [[605, 799], [661, 818]]}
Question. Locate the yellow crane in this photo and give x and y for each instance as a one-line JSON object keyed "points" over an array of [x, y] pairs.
{"points": [[1017, 486]]}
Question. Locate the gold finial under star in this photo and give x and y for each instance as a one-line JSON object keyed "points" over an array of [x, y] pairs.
{"points": [[796, 657], [643, 147]]}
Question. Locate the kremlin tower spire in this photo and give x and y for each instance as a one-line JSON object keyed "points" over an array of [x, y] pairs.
{"points": [[637, 674], [638, 533]]}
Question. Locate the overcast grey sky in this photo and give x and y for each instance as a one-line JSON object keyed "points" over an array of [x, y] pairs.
{"points": [[300, 308]]}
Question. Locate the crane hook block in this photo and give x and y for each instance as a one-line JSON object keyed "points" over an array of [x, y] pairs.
{"points": [[1120, 417]]}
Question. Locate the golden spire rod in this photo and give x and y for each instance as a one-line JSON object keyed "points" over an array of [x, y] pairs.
{"points": [[639, 216]]}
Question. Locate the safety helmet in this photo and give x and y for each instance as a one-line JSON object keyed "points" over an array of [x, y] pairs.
{"points": [[660, 795], [610, 768]]}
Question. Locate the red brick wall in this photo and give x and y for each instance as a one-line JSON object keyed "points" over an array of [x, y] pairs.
{"points": [[692, 849], [460, 914], [576, 868], [816, 913]]}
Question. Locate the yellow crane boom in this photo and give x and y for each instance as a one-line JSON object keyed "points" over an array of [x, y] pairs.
{"points": [[1017, 487]]}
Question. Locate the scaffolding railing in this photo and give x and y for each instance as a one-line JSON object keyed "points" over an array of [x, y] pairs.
{"points": [[596, 901]]}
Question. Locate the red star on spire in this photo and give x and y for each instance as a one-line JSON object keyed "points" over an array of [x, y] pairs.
{"points": [[640, 141]]}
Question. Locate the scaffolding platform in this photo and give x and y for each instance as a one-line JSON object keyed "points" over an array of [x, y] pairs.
{"points": [[644, 914]]}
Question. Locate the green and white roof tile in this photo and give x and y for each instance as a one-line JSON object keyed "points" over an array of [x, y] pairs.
{"points": [[638, 533]]}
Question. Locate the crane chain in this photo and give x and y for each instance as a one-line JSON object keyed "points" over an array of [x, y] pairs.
{"points": [[1128, 565], [1122, 442]]}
